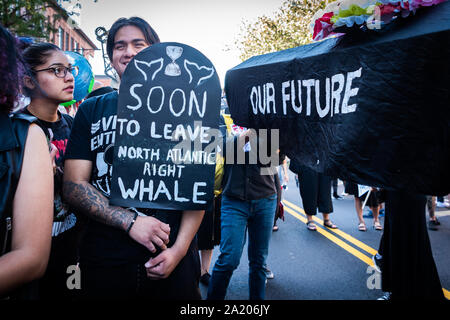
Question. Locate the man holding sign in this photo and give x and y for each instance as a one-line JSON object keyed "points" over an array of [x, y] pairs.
{"points": [[124, 250]]}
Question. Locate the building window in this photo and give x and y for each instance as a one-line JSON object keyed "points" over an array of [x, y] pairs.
{"points": [[61, 38], [77, 47], [72, 45], [67, 41]]}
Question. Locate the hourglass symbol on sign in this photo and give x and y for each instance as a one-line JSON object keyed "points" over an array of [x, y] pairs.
{"points": [[173, 69]]}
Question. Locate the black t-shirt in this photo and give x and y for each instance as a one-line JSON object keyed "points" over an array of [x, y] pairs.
{"points": [[92, 138], [58, 133], [66, 226]]}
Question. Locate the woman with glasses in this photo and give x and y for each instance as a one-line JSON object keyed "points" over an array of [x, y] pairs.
{"points": [[50, 82]]}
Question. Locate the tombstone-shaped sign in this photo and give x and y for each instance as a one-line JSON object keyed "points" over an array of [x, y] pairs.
{"points": [[169, 102], [369, 107]]}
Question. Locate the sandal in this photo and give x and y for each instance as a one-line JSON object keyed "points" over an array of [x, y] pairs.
{"points": [[362, 227], [327, 223], [377, 225], [311, 226]]}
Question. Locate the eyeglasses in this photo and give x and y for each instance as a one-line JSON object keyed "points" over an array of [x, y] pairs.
{"points": [[61, 72]]}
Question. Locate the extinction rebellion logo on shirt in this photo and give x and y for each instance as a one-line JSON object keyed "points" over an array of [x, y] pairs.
{"points": [[103, 136], [107, 134]]}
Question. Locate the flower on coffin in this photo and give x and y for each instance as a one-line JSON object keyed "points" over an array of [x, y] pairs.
{"points": [[323, 27], [364, 13]]}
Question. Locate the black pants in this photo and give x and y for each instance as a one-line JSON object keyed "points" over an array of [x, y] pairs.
{"points": [[315, 190], [335, 186], [130, 281], [64, 253], [408, 269], [208, 234]]}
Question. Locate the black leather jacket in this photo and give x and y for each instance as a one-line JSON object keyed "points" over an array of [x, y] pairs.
{"points": [[13, 134]]}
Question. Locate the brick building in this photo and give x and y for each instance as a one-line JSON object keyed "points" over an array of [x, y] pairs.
{"points": [[68, 36]]}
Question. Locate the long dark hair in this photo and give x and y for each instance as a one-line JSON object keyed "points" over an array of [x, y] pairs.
{"points": [[11, 70], [35, 55], [150, 35]]}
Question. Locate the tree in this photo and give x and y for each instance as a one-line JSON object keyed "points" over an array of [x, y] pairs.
{"points": [[29, 18], [25, 17], [288, 28]]}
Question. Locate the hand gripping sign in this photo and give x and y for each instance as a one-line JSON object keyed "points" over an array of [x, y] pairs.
{"points": [[169, 106]]}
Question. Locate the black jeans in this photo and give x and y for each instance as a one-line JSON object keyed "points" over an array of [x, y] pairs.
{"points": [[130, 281]]}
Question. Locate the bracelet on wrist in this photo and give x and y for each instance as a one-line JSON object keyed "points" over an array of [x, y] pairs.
{"points": [[132, 222]]}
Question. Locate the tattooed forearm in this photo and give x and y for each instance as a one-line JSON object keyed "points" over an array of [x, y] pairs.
{"points": [[85, 198]]}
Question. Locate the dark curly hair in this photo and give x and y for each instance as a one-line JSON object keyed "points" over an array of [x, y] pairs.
{"points": [[11, 70]]}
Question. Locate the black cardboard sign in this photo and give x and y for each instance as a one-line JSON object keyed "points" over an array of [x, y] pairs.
{"points": [[169, 99]]}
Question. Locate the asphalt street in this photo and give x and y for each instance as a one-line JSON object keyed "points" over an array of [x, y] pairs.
{"points": [[328, 265]]}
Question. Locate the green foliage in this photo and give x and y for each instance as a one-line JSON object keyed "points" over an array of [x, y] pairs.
{"points": [[25, 17], [287, 28], [28, 18]]}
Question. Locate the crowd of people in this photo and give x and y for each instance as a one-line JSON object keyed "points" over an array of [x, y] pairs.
{"points": [[145, 253]]}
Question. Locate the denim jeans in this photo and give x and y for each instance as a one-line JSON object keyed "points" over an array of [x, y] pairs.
{"points": [[237, 216]]}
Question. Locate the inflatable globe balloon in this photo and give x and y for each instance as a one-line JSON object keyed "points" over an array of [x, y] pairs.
{"points": [[84, 81]]}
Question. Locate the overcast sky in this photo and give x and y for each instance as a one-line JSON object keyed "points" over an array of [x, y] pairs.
{"points": [[210, 26]]}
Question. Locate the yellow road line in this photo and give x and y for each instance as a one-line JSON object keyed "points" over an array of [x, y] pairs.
{"points": [[446, 293], [334, 239], [338, 241], [344, 235]]}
